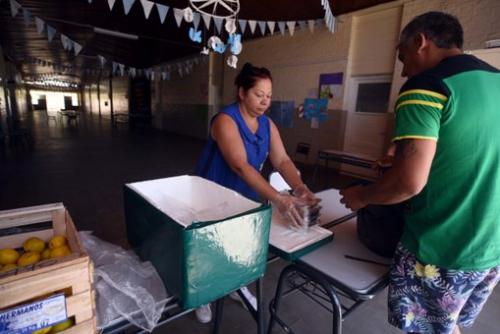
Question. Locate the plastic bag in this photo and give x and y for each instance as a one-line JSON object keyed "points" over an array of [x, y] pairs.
{"points": [[125, 286]]}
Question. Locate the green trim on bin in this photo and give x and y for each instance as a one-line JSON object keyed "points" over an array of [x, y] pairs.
{"points": [[303, 251], [204, 261]]}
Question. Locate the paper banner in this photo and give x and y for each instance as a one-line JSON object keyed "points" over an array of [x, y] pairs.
{"points": [[271, 25], [252, 24], [162, 11], [26, 16], [206, 18], [65, 41], [51, 32], [291, 27], [77, 48], [281, 26], [102, 60], [218, 23], [14, 7], [311, 25], [114, 66], [111, 3], [262, 26], [147, 6], [302, 25], [127, 5], [179, 15], [243, 25], [196, 20], [40, 25]]}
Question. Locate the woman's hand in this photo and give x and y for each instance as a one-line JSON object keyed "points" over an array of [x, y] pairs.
{"points": [[304, 193], [291, 208]]}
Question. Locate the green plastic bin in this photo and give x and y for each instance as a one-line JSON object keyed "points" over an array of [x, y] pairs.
{"points": [[203, 239]]}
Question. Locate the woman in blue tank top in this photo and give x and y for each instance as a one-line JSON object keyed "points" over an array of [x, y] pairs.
{"points": [[241, 139]]}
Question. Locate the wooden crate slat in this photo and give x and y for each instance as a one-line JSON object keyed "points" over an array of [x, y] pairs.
{"points": [[16, 240], [73, 236], [59, 221], [80, 306], [4, 214], [38, 285], [25, 219]]}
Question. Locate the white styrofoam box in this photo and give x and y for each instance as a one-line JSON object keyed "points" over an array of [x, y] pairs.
{"points": [[191, 198]]}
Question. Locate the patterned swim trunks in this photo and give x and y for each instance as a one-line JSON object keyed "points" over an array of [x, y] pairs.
{"points": [[427, 299]]}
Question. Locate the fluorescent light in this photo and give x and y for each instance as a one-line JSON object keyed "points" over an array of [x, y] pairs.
{"points": [[115, 33]]}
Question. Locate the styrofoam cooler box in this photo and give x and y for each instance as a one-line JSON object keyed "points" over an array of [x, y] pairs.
{"points": [[204, 240]]}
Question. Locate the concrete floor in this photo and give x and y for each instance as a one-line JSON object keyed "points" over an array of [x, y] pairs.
{"points": [[85, 165]]}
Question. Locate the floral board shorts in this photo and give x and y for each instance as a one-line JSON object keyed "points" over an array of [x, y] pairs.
{"points": [[427, 299]]}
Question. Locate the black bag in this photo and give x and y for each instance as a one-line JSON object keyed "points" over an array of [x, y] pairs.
{"points": [[380, 227]]}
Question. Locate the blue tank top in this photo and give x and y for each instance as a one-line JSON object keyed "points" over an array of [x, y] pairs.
{"points": [[212, 165]]}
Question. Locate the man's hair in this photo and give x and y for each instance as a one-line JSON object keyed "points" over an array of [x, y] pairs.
{"points": [[443, 29]]}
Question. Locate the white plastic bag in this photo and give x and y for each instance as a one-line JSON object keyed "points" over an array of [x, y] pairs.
{"points": [[125, 286]]}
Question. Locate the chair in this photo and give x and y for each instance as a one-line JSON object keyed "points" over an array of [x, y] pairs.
{"points": [[302, 149]]}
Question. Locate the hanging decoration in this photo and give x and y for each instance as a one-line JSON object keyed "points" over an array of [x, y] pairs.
{"points": [[217, 8], [329, 18]]}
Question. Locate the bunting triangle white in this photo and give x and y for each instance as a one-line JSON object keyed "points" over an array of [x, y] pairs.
{"points": [[77, 48], [14, 7], [262, 26], [311, 25], [252, 24], [147, 6], [162, 11], [111, 3], [271, 25], [218, 23], [179, 16], [302, 24], [122, 69], [40, 25], [102, 60], [51, 32], [243, 25], [64, 41], [281, 26], [127, 5], [196, 20], [115, 66], [26, 16], [206, 19], [291, 27]]}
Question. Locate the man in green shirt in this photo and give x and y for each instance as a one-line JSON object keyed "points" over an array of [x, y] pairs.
{"points": [[447, 164]]}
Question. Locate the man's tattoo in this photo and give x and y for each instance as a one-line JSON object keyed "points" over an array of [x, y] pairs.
{"points": [[406, 148]]}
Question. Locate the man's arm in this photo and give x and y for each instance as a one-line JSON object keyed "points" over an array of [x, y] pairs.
{"points": [[405, 179]]}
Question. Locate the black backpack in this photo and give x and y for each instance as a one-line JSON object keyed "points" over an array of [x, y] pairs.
{"points": [[380, 227]]}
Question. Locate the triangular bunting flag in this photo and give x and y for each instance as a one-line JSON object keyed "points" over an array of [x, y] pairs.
{"points": [[206, 18], [281, 26], [14, 7], [111, 3], [162, 11], [179, 15], [51, 32], [102, 60], [262, 26], [64, 41], [77, 48], [218, 23], [40, 25], [271, 25], [132, 71], [122, 69], [147, 6], [243, 25], [127, 5], [26, 16], [115, 66], [311, 25], [196, 20], [252, 24], [291, 27], [302, 24]]}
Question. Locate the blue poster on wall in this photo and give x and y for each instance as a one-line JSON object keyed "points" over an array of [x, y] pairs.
{"points": [[316, 108], [281, 112]]}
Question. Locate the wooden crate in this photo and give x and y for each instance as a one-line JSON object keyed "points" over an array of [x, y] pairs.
{"points": [[72, 275]]}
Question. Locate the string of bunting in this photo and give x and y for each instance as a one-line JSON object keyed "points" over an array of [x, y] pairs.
{"points": [[164, 72]]}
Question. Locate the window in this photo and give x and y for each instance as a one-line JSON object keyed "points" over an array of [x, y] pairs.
{"points": [[373, 97]]}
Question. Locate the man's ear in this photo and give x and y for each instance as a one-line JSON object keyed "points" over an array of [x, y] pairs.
{"points": [[422, 42]]}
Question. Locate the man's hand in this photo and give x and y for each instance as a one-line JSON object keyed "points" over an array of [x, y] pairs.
{"points": [[352, 197]]}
